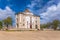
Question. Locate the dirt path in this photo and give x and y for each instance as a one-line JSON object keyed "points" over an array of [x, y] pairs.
{"points": [[30, 35]]}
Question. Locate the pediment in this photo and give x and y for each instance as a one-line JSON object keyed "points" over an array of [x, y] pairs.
{"points": [[28, 12]]}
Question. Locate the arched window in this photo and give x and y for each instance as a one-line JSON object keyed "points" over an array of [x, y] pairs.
{"points": [[36, 26]]}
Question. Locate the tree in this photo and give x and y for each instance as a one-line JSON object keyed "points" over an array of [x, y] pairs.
{"points": [[42, 26], [0, 25], [7, 22], [48, 25], [55, 24]]}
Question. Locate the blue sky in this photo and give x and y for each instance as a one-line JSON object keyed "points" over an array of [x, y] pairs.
{"points": [[48, 10]]}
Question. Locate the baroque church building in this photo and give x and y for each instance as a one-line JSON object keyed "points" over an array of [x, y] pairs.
{"points": [[27, 20]]}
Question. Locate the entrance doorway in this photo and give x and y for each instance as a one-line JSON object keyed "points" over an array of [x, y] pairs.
{"points": [[30, 26]]}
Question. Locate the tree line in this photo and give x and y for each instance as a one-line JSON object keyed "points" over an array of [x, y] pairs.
{"points": [[6, 22], [51, 25]]}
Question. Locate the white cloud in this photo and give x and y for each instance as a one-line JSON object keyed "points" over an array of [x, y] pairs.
{"points": [[6, 12], [48, 12], [53, 12], [33, 4]]}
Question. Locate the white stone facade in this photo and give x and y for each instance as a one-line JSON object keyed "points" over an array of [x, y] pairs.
{"points": [[26, 20]]}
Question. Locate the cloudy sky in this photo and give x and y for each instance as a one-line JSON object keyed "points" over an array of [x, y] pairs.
{"points": [[48, 10]]}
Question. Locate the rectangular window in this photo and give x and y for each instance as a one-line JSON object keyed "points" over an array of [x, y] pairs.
{"points": [[17, 25], [23, 24]]}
